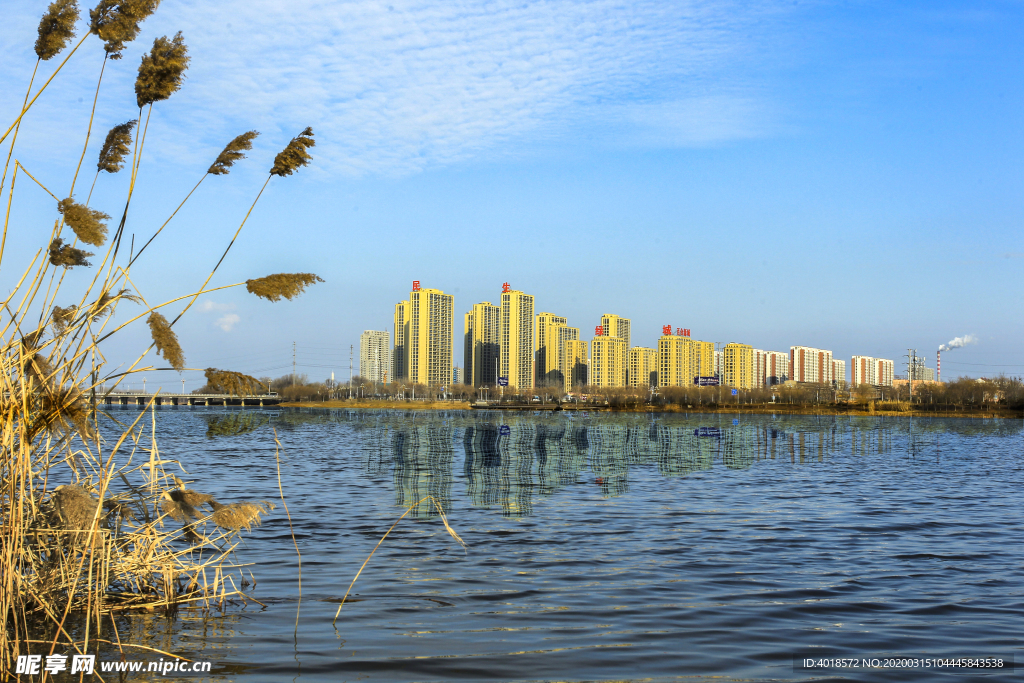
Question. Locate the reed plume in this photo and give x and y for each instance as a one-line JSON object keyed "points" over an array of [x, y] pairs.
{"points": [[232, 153], [166, 341], [116, 22], [287, 285], [182, 505], [162, 70], [115, 147], [87, 223], [292, 157], [62, 317], [66, 255], [238, 516], [75, 506], [56, 28], [229, 382], [105, 304]]}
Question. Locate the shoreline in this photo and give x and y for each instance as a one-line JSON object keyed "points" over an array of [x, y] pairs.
{"points": [[762, 409]]}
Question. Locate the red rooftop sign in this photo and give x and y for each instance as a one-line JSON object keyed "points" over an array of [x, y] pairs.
{"points": [[415, 285], [505, 288]]}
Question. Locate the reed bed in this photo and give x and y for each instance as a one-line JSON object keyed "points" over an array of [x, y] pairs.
{"points": [[96, 521]]}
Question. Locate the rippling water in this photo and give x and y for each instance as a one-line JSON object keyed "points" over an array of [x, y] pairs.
{"points": [[609, 546]]}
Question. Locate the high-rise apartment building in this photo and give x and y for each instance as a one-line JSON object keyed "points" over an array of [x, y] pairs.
{"points": [[616, 326], [681, 360], [608, 360], [431, 314], [516, 337], [876, 372], [550, 332], [839, 373], [775, 368], [738, 365], [576, 363], [643, 367], [481, 344], [375, 355], [400, 354], [810, 365]]}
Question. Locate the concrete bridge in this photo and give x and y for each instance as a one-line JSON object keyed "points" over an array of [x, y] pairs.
{"points": [[132, 398]]}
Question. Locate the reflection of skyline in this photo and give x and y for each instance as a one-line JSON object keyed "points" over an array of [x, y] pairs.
{"points": [[509, 458]]}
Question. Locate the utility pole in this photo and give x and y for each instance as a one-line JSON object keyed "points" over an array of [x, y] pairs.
{"points": [[293, 364], [911, 367], [351, 350]]}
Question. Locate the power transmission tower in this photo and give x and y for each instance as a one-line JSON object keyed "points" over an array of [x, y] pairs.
{"points": [[351, 348]]}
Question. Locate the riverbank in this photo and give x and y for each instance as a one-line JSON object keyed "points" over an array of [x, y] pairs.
{"points": [[762, 409]]}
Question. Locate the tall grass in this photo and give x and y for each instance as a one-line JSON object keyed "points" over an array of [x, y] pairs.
{"points": [[95, 519]]}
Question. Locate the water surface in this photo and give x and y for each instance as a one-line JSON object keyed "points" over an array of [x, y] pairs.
{"points": [[607, 546]]}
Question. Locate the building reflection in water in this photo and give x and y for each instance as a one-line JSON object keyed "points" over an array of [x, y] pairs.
{"points": [[509, 458]]}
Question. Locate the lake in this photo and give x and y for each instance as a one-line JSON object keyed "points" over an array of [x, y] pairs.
{"points": [[607, 547]]}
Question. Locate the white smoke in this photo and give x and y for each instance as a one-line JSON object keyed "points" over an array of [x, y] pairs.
{"points": [[959, 342]]}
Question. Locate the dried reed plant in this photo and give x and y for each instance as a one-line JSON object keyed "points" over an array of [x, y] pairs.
{"points": [[117, 145], [66, 255], [87, 223], [92, 521], [232, 153], [287, 285], [56, 28], [235, 383], [116, 22], [162, 70]]}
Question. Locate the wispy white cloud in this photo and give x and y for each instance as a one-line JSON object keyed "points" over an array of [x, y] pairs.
{"points": [[228, 322], [395, 86], [212, 306]]}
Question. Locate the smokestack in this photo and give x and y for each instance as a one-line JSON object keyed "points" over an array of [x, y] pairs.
{"points": [[938, 366]]}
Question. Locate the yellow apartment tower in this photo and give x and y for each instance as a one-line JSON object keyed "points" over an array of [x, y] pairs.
{"points": [[400, 355], [551, 333], [643, 367], [738, 366], [609, 357], [481, 345], [431, 313], [616, 326], [575, 363], [516, 337], [682, 359]]}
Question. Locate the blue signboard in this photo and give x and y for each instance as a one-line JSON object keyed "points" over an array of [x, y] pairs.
{"points": [[503, 381], [713, 432], [504, 430], [734, 392], [706, 381]]}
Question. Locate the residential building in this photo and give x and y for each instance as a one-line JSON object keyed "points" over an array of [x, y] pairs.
{"points": [[516, 338], [576, 363], [675, 360], [681, 360], [738, 365], [457, 375], [481, 346], [616, 326], [375, 355], [431, 313], [839, 373], [774, 369], [810, 365], [608, 360], [877, 372], [643, 367], [400, 354], [549, 332], [720, 366]]}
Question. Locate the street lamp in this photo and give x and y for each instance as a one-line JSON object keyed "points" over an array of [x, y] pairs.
{"points": [[183, 385], [143, 385]]}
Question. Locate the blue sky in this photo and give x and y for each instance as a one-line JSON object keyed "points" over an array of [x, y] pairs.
{"points": [[836, 174]]}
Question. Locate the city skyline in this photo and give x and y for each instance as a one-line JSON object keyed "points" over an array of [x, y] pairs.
{"points": [[843, 177]]}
